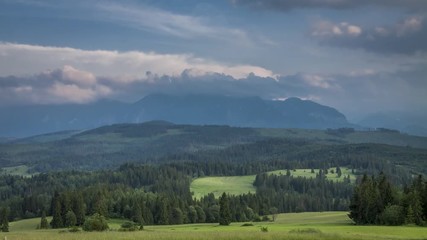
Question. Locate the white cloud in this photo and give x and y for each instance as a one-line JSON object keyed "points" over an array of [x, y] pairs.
{"points": [[161, 21], [81, 78], [409, 25], [325, 28], [408, 36], [354, 30], [124, 67], [318, 81]]}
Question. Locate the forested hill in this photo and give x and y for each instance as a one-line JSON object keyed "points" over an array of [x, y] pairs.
{"points": [[164, 142]]}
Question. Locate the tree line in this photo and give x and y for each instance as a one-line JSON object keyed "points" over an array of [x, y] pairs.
{"points": [[376, 201]]}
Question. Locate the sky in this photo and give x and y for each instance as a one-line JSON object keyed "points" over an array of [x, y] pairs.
{"points": [[358, 56]]}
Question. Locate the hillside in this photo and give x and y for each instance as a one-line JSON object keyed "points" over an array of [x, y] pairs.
{"points": [[159, 141]]}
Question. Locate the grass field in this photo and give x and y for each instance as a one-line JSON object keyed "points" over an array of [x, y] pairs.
{"points": [[237, 185], [302, 226]]}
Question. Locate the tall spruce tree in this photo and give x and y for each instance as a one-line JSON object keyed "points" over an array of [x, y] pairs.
{"points": [[78, 207], [224, 210], [43, 221], [4, 219], [56, 211]]}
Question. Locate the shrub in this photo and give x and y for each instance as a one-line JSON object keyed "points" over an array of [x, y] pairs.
{"points": [[264, 229], [129, 227], [95, 223], [256, 218], [247, 225], [393, 215]]}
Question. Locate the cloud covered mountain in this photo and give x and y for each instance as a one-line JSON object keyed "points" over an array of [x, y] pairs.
{"points": [[22, 121]]}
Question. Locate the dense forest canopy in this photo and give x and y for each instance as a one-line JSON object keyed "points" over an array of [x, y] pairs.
{"points": [[153, 187]]}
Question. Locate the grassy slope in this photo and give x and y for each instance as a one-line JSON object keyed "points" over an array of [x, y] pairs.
{"points": [[332, 225], [237, 185]]}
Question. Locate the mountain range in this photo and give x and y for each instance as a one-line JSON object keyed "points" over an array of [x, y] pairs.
{"points": [[22, 121]]}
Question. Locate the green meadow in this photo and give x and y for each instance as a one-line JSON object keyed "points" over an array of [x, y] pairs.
{"points": [[237, 185], [301, 226]]}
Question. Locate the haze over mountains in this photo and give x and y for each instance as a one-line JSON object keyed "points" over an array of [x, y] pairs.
{"points": [[189, 109], [23, 121]]}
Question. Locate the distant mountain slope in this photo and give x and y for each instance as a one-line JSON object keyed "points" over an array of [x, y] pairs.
{"points": [[245, 112], [22, 121]]}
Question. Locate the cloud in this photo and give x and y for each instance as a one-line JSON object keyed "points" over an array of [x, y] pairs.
{"points": [[408, 36], [66, 85], [80, 76], [164, 22], [21, 59], [323, 29], [360, 92], [286, 5]]}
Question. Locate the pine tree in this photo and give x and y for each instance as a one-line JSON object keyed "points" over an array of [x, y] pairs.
{"points": [[161, 212], [224, 210], [4, 220], [78, 207], [43, 221], [70, 219], [55, 207], [192, 214], [386, 192], [137, 214]]}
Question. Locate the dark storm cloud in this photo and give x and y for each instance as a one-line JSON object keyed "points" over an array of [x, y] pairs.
{"points": [[285, 5]]}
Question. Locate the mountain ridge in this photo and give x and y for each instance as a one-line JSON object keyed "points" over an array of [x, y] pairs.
{"points": [[24, 121]]}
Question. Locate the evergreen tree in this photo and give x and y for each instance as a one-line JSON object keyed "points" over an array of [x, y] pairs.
{"points": [[415, 210], [4, 220], [385, 191], [192, 214], [65, 206], [161, 211], [78, 207], [101, 205], [55, 207], [137, 214], [356, 207], [274, 211], [43, 221], [339, 172], [70, 219], [201, 216], [177, 217], [224, 210]]}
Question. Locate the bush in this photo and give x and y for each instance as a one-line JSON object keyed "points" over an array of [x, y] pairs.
{"points": [[393, 215], [247, 225], [95, 223], [129, 227], [264, 229], [256, 218], [265, 218]]}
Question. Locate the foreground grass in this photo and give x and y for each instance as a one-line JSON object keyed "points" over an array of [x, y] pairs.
{"points": [[293, 226], [237, 185]]}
